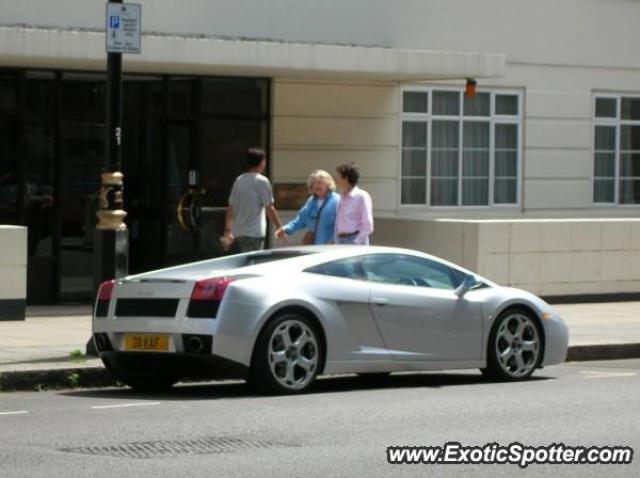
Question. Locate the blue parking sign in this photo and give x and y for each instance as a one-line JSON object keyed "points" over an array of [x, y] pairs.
{"points": [[123, 27]]}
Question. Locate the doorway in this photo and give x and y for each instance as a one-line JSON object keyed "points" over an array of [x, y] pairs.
{"points": [[177, 190]]}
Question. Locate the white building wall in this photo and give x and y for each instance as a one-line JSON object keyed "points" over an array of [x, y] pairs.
{"points": [[322, 125], [543, 32]]}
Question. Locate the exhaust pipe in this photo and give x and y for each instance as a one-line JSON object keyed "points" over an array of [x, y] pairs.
{"points": [[102, 342], [195, 345]]}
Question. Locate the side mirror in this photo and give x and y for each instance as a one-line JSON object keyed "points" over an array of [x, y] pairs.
{"points": [[468, 283]]}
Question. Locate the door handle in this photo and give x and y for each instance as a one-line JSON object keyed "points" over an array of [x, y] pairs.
{"points": [[381, 301], [189, 209]]}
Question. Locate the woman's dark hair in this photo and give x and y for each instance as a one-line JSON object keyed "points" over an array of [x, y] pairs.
{"points": [[254, 157], [349, 172]]}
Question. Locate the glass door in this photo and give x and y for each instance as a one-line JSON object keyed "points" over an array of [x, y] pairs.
{"points": [[181, 158], [183, 194]]}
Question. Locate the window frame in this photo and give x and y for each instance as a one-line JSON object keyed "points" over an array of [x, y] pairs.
{"points": [[616, 123], [493, 119]]}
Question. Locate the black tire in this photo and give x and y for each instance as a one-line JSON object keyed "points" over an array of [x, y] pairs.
{"points": [[515, 347], [148, 383], [270, 355]]}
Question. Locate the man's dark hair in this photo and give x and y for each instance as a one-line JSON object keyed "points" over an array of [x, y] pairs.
{"points": [[349, 172], [254, 157]]}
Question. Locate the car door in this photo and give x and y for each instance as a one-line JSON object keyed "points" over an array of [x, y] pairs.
{"points": [[418, 312], [352, 333]]}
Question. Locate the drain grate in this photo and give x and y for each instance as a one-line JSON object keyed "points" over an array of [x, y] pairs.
{"points": [[154, 449]]}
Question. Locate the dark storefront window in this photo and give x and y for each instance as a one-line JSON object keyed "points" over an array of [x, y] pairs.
{"points": [[9, 150], [182, 136], [8, 91], [39, 179], [9, 180], [82, 155]]}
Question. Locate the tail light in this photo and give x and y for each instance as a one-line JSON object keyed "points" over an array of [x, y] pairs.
{"points": [[106, 289], [104, 296], [206, 297], [210, 289]]}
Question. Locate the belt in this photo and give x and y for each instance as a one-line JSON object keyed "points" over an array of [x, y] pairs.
{"points": [[347, 234]]}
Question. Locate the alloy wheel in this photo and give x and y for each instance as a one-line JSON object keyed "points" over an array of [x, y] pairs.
{"points": [[517, 345], [293, 354]]}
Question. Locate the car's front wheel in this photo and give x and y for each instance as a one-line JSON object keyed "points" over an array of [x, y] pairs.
{"points": [[515, 346], [287, 355]]}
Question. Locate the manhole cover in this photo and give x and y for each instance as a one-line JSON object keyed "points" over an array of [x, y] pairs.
{"points": [[153, 449]]}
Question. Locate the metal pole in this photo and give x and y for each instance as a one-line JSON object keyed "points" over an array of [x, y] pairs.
{"points": [[111, 247]]}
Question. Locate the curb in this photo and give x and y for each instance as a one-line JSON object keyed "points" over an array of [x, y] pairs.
{"points": [[88, 377], [61, 378], [582, 353]]}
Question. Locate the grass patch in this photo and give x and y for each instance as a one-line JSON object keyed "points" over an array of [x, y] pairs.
{"points": [[77, 355]]}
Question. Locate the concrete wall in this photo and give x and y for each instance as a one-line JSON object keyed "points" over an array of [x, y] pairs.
{"points": [[13, 272], [567, 32], [322, 125], [558, 135], [547, 257]]}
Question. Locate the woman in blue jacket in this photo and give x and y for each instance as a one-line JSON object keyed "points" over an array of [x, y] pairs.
{"points": [[318, 215]]}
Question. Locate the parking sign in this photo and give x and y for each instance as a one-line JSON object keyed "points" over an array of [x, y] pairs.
{"points": [[123, 27]]}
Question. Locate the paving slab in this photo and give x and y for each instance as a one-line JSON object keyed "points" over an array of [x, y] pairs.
{"points": [[601, 323]]}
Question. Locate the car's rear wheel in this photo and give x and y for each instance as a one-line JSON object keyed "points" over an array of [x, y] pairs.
{"points": [[148, 383], [287, 355], [515, 346]]}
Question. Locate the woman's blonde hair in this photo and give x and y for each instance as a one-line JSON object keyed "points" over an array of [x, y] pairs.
{"points": [[321, 175]]}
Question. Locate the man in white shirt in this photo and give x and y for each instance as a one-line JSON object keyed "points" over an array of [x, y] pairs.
{"points": [[251, 196], [354, 220]]}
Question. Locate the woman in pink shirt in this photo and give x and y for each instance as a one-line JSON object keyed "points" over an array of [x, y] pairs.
{"points": [[354, 220]]}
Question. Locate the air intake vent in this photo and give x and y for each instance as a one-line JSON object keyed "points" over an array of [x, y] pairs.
{"points": [[146, 307]]}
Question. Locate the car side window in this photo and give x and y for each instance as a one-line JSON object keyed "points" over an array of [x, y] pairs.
{"points": [[409, 270], [347, 268]]}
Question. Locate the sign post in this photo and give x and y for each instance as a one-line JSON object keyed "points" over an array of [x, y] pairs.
{"points": [[111, 247]]}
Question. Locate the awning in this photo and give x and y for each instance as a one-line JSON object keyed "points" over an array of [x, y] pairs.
{"points": [[83, 49]]}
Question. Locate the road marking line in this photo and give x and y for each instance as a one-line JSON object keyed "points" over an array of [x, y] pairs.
{"points": [[601, 374], [19, 412], [125, 405]]}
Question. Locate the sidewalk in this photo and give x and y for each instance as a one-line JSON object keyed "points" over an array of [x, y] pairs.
{"points": [[38, 351]]}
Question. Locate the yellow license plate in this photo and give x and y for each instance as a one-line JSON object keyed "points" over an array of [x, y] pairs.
{"points": [[146, 342]]}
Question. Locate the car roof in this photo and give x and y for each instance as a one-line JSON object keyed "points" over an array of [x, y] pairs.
{"points": [[295, 259], [312, 255]]}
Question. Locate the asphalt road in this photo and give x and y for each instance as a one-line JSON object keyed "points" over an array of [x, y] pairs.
{"points": [[341, 429]]}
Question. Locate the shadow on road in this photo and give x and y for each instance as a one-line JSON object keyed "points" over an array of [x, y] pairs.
{"points": [[336, 384]]}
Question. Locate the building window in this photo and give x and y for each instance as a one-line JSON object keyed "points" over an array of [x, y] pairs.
{"points": [[616, 152], [459, 151]]}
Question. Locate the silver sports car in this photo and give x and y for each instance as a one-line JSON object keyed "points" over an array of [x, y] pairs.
{"points": [[280, 317]]}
